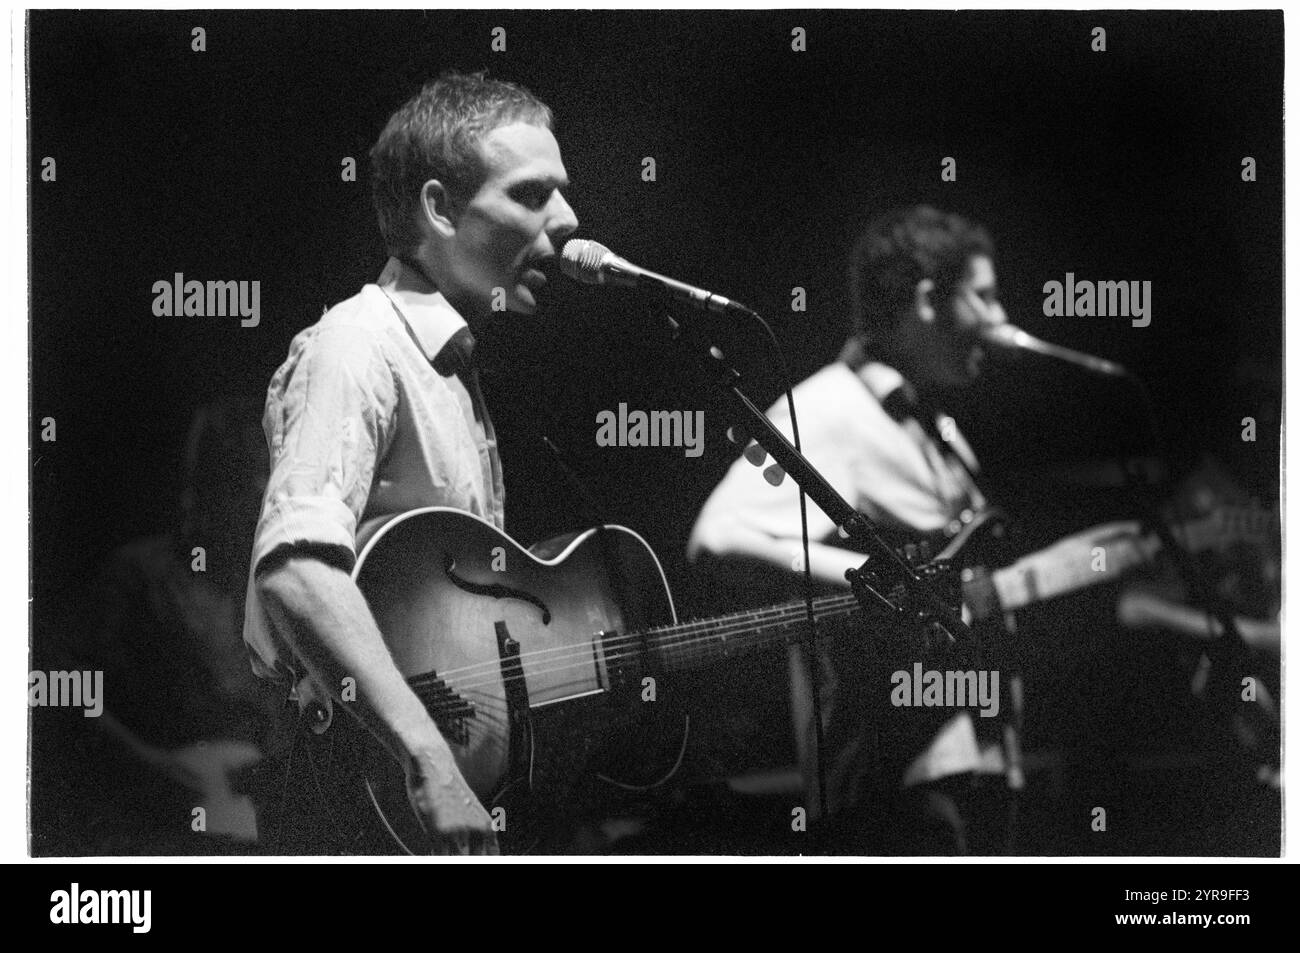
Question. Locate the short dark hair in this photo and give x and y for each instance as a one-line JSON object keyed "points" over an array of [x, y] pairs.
{"points": [[435, 135], [899, 249]]}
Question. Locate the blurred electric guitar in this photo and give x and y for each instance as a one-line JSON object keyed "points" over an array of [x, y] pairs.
{"points": [[1094, 556]]}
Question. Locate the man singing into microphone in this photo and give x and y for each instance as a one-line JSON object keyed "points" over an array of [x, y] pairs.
{"points": [[377, 410], [923, 287]]}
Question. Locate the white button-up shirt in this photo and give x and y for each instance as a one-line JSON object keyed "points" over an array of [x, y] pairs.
{"points": [[890, 470], [360, 425]]}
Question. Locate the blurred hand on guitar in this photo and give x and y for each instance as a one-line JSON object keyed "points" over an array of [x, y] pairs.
{"points": [[451, 815]]}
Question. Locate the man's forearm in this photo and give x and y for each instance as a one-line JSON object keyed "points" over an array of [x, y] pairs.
{"points": [[320, 612]]}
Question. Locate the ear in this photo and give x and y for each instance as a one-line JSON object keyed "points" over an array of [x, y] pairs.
{"points": [[924, 300], [435, 205]]}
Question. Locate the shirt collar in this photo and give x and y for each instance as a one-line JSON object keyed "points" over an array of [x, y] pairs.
{"points": [[432, 318], [884, 381]]}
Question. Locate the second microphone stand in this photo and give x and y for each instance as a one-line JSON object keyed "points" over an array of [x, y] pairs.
{"points": [[885, 580], [885, 583]]}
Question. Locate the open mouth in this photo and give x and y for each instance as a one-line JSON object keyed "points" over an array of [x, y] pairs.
{"points": [[532, 276], [533, 279]]}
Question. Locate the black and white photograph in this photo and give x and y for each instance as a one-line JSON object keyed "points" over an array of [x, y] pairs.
{"points": [[770, 433]]}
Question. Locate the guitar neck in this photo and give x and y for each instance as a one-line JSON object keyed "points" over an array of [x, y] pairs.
{"points": [[1099, 555], [1064, 568], [693, 644], [1105, 552]]}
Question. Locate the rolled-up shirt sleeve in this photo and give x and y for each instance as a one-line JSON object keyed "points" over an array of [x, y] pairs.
{"points": [[330, 414]]}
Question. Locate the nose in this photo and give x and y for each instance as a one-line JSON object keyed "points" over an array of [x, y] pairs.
{"points": [[563, 220]]}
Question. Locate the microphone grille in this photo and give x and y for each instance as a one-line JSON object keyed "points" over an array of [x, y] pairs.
{"points": [[581, 260]]}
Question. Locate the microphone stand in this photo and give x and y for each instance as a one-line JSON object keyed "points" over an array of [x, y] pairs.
{"points": [[885, 582], [883, 572]]}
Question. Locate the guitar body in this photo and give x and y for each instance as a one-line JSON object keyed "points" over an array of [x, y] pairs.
{"points": [[527, 661]]}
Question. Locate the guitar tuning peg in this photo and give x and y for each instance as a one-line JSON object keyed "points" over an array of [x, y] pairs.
{"points": [[755, 454], [774, 474]]}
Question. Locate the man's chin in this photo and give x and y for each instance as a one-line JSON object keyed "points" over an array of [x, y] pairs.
{"points": [[968, 370]]}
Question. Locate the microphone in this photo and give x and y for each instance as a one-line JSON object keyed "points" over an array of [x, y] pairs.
{"points": [[1010, 337], [594, 264]]}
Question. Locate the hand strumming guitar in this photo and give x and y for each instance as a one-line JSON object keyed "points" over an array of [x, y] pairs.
{"points": [[448, 810]]}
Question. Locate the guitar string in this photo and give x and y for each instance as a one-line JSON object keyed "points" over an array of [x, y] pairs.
{"points": [[677, 634], [693, 651], [699, 648], [683, 649], [679, 637], [490, 703], [681, 632], [670, 636]]}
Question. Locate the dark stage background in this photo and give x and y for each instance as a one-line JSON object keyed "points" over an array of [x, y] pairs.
{"points": [[1122, 165]]}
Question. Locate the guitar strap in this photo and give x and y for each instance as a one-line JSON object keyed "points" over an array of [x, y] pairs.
{"points": [[927, 414], [904, 403]]}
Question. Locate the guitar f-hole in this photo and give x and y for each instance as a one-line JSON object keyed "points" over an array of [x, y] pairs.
{"points": [[495, 590]]}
